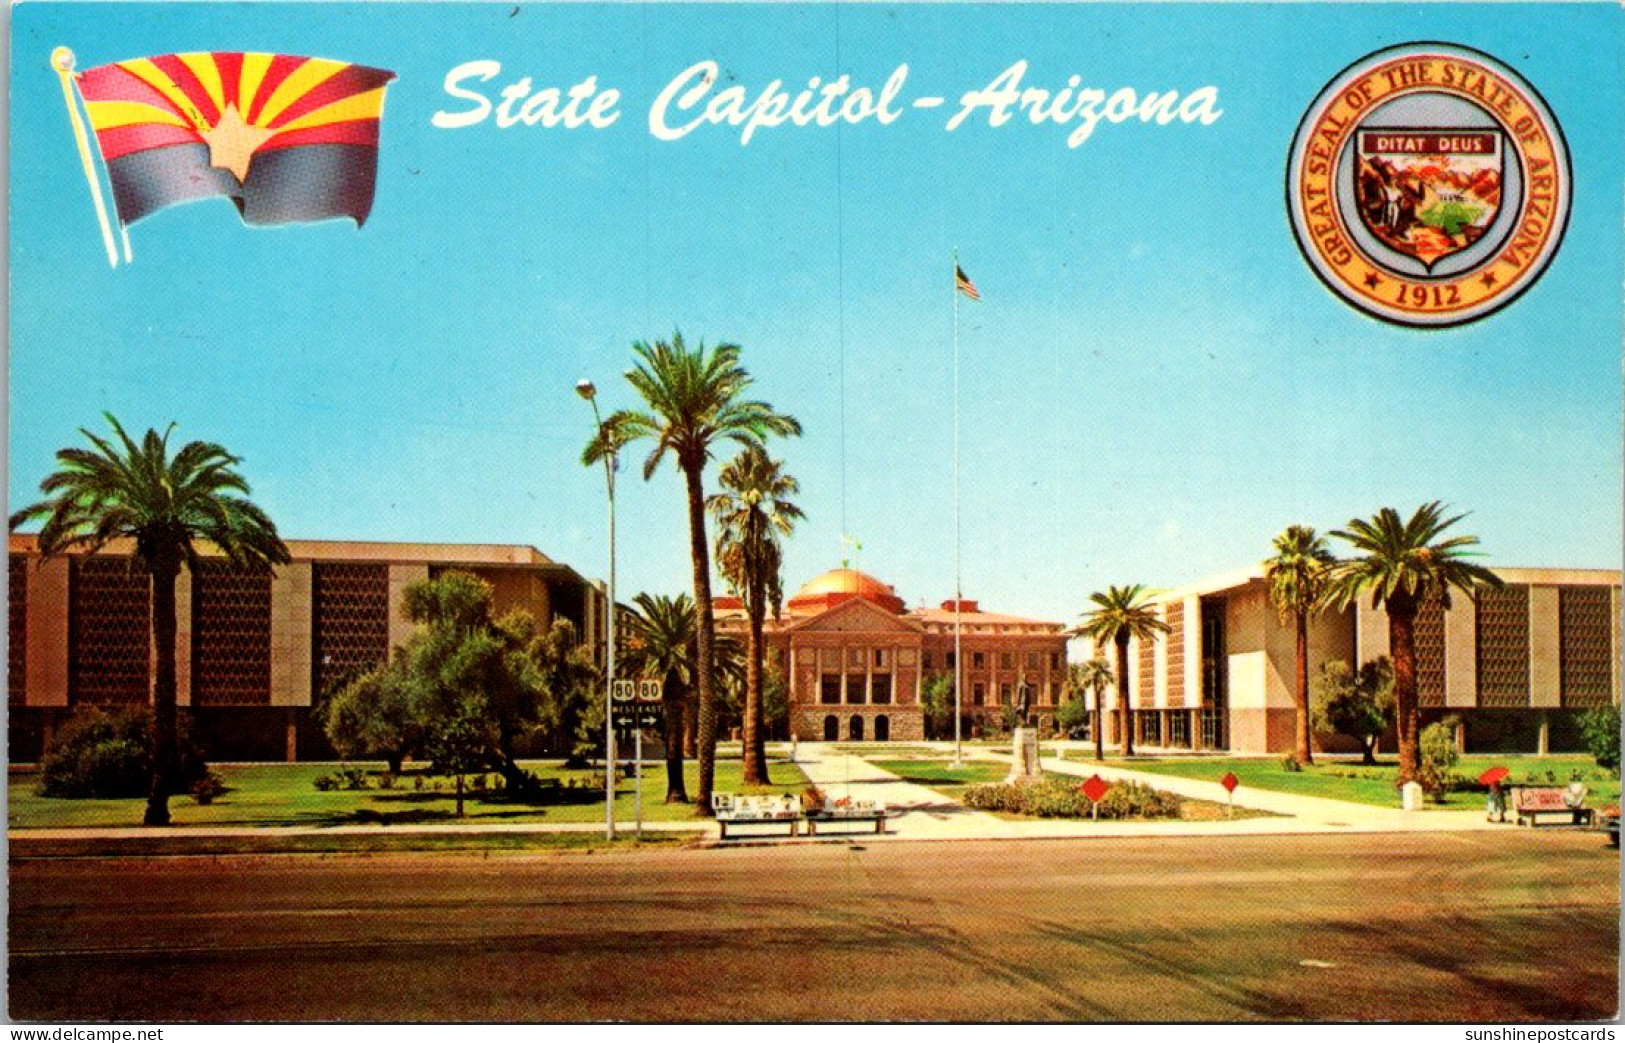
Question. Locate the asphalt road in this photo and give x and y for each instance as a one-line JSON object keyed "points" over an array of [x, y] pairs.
{"points": [[1481, 927]]}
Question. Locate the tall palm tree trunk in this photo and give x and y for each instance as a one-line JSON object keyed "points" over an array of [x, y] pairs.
{"points": [[1402, 644], [165, 572], [1100, 726], [1125, 738], [1303, 754], [676, 788], [755, 744], [704, 634]]}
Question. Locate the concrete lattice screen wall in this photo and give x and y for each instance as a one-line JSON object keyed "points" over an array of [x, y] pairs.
{"points": [[17, 629], [1431, 671], [1503, 647], [231, 635], [350, 625], [110, 632], [1585, 627]]}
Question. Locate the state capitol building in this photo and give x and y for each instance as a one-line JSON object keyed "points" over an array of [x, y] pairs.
{"points": [[856, 660]]}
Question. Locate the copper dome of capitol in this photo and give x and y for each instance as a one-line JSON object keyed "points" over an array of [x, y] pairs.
{"points": [[831, 588]]}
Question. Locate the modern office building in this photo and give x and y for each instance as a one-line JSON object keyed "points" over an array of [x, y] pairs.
{"points": [[856, 659], [254, 649], [1516, 664]]}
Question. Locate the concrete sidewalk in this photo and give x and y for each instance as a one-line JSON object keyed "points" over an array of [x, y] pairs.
{"points": [[1310, 814], [927, 815]]}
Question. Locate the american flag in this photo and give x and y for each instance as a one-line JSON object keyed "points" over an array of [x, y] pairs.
{"points": [[963, 284]]}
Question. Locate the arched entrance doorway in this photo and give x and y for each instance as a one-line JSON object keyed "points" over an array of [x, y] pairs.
{"points": [[832, 728], [882, 729], [854, 730]]}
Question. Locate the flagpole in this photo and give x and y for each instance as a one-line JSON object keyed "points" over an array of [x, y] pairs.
{"points": [[959, 594], [62, 61]]}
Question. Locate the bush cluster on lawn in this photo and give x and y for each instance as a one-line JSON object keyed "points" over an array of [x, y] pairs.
{"points": [[1053, 798], [536, 789], [1600, 726], [103, 754], [1439, 756]]}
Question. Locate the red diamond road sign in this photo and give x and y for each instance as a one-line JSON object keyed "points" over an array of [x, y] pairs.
{"points": [[1094, 788], [1230, 782]]}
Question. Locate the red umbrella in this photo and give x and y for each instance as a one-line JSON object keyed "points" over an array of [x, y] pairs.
{"points": [[1494, 775]]}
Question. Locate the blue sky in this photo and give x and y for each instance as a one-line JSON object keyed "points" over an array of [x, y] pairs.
{"points": [[1154, 384]]}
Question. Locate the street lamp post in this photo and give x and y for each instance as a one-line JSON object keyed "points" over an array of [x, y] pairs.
{"points": [[588, 391]]}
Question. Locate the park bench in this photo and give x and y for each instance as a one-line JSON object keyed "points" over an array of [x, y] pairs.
{"points": [[1531, 802], [730, 810], [1608, 822], [845, 811]]}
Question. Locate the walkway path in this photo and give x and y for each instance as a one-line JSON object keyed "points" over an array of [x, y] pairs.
{"points": [[1307, 814]]}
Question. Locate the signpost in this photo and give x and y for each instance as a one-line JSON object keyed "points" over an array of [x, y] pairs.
{"points": [[1230, 782], [638, 705], [1095, 787]]}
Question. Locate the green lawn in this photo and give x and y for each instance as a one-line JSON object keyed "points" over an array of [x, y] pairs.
{"points": [[1351, 781], [285, 795], [941, 776], [350, 844]]}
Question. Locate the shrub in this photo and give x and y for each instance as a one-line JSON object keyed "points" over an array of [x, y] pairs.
{"points": [[325, 783], [1137, 800], [386, 780], [100, 753], [1053, 798], [351, 778], [1438, 750], [205, 789], [993, 796], [812, 798], [1290, 763], [1600, 727]]}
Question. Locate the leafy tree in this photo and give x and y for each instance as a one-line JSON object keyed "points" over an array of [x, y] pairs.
{"points": [[1298, 575], [1095, 676], [461, 736], [460, 658], [775, 701], [166, 506], [694, 400], [1119, 616], [1359, 704], [1402, 564], [1600, 727], [1074, 714], [752, 512], [460, 661], [937, 703], [660, 643], [372, 716], [1439, 755], [570, 697]]}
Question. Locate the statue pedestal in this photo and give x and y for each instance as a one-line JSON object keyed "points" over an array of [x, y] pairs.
{"points": [[1024, 767]]}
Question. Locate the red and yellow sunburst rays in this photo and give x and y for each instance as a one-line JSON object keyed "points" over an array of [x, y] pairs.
{"points": [[230, 111]]}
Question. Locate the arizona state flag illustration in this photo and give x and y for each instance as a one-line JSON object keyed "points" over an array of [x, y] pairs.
{"points": [[286, 138]]}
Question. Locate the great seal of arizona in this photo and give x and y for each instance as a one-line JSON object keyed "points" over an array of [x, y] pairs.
{"points": [[1428, 185]]}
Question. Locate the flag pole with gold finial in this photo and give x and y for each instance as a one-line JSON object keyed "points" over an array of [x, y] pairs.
{"points": [[62, 62]]}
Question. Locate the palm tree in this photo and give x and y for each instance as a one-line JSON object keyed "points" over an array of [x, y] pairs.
{"points": [[1298, 576], [751, 513], [1402, 564], [695, 400], [1118, 617], [165, 505], [659, 635], [1095, 677]]}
